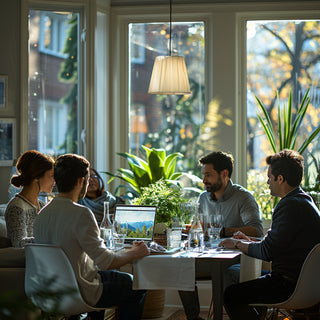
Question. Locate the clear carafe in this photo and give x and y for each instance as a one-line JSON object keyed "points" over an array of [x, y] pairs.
{"points": [[106, 227], [196, 235]]}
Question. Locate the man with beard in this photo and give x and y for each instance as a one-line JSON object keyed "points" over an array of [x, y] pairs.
{"points": [[73, 227], [238, 209], [236, 205]]}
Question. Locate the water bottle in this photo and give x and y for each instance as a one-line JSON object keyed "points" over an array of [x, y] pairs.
{"points": [[106, 227], [196, 235]]}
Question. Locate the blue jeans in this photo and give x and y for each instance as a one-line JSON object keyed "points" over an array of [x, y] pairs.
{"points": [[117, 291], [270, 288]]}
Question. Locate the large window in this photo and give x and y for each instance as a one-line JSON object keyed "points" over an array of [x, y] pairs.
{"points": [[282, 56], [170, 122], [53, 108]]}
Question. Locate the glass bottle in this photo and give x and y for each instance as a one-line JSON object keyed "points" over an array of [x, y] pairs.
{"points": [[196, 235], [106, 227]]}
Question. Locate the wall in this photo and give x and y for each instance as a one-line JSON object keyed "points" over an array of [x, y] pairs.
{"points": [[9, 65]]}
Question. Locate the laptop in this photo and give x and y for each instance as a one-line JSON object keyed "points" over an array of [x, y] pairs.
{"points": [[139, 221]]}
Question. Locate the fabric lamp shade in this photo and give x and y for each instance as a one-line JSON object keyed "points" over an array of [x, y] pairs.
{"points": [[169, 76]]}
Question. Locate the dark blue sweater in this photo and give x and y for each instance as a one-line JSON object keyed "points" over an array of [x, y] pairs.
{"points": [[294, 231]]}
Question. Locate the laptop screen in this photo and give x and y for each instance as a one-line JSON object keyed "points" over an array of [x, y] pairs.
{"points": [[138, 219]]}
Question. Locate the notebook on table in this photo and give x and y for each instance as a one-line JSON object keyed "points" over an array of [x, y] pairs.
{"points": [[139, 220]]}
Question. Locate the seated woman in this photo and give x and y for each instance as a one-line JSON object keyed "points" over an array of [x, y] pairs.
{"points": [[96, 195], [35, 174]]}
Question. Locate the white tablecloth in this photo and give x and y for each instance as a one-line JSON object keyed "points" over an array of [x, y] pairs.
{"points": [[177, 271], [250, 268], [164, 272]]}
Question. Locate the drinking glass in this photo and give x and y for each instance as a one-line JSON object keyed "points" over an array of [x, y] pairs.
{"points": [[215, 226], [188, 211], [174, 237], [120, 232], [204, 222]]}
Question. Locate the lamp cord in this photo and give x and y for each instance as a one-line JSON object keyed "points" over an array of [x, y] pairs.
{"points": [[170, 29]]}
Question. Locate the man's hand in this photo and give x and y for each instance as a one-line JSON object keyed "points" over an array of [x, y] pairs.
{"points": [[229, 243], [140, 250], [136, 252], [232, 243], [240, 235]]}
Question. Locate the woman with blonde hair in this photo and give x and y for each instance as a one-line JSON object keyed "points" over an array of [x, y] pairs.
{"points": [[35, 174]]}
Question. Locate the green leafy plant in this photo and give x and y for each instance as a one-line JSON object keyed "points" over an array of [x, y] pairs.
{"points": [[154, 166], [257, 185], [166, 198], [288, 125]]}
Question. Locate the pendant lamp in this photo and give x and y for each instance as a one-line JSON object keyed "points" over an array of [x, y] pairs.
{"points": [[169, 74]]}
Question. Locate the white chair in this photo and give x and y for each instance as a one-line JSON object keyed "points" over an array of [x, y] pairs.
{"points": [[49, 272], [307, 291]]}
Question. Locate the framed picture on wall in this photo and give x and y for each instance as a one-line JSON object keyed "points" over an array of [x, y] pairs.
{"points": [[3, 92], [7, 141]]}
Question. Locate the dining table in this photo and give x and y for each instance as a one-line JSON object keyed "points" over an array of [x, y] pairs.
{"points": [[181, 270]]}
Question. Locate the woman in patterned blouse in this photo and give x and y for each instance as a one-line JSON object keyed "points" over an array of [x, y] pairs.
{"points": [[35, 174]]}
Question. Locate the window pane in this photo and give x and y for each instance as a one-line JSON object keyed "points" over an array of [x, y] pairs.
{"points": [[53, 82], [170, 122], [282, 55]]}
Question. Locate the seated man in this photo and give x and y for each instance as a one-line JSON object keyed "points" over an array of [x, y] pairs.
{"points": [[295, 230], [236, 205], [73, 227]]}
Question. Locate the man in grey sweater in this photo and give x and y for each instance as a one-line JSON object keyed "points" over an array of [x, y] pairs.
{"points": [[235, 205], [295, 230], [73, 227]]}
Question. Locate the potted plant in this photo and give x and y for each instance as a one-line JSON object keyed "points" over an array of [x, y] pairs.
{"points": [[166, 198], [285, 136], [289, 123], [155, 165]]}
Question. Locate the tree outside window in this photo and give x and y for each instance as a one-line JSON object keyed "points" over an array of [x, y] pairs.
{"points": [[282, 55]]}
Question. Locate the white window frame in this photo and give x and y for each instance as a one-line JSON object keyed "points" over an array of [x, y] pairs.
{"points": [[85, 81], [120, 20], [308, 11], [58, 29]]}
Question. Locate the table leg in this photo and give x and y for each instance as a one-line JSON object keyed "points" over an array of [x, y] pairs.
{"points": [[217, 290]]}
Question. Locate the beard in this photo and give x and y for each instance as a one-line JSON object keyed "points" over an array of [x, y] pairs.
{"points": [[214, 187]]}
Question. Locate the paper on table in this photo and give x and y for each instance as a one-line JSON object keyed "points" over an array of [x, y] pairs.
{"points": [[164, 272]]}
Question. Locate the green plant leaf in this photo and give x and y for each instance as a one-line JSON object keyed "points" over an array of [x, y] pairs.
{"points": [[267, 127], [269, 134], [309, 140], [156, 165], [128, 176], [141, 176], [131, 158], [287, 131], [170, 164], [160, 152]]}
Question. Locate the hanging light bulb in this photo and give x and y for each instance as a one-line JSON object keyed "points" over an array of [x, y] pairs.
{"points": [[169, 74]]}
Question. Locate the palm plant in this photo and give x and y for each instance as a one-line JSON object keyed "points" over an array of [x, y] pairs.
{"points": [[145, 171], [288, 126]]}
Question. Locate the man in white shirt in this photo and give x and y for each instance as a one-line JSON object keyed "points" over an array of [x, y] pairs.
{"points": [[65, 223]]}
